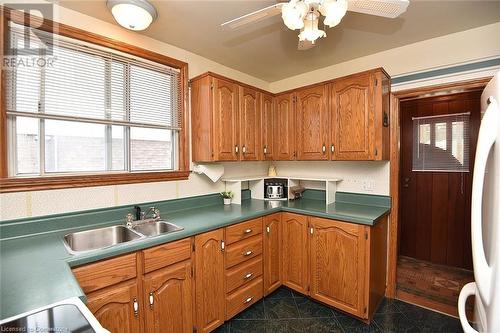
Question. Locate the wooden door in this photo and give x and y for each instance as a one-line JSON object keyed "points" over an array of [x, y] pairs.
{"points": [[268, 124], [209, 276], [435, 206], [171, 291], [250, 134], [113, 307], [312, 123], [225, 131], [338, 264], [284, 140], [272, 252], [295, 252], [352, 128]]}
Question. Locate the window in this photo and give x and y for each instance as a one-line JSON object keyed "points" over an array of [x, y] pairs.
{"points": [[93, 110], [441, 143]]}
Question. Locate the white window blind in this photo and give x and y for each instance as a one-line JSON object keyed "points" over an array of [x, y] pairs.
{"points": [[441, 143], [93, 110]]}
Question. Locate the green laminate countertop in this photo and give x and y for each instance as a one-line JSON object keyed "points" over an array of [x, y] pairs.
{"points": [[36, 270]]}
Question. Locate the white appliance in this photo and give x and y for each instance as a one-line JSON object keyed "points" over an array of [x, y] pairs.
{"points": [[485, 219]]}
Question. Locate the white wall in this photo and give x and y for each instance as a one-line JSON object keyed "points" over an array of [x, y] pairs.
{"points": [[446, 50]]}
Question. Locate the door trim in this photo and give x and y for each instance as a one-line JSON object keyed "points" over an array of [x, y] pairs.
{"points": [[395, 138]]}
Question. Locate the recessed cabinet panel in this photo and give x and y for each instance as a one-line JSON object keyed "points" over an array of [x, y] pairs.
{"points": [[272, 253], [268, 124], [295, 252], [284, 141], [353, 118], [249, 129], [312, 123], [225, 120]]}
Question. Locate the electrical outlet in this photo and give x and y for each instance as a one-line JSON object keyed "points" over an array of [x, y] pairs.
{"points": [[368, 185]]}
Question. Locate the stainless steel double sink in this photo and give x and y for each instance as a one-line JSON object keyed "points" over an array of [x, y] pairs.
{"points": [[101, 238]]}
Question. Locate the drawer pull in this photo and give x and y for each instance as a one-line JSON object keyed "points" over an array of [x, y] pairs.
{"points": [[136, 307], [246, 254], [247, 231], [151, 300], [248, 276], [248, 300]]}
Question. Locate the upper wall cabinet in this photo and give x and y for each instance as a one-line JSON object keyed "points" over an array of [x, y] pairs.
{"points": [[249, 130], [359, 117], [267, 121], [284, 141], [312, 124]]}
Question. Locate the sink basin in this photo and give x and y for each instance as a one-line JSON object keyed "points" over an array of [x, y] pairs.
{"points": [[99, 238], [156, 228]]}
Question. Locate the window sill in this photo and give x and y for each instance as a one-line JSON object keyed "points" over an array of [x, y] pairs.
{"points": [[49, 183]]}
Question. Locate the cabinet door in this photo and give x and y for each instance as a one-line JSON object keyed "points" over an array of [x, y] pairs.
{"points": [[353, 118], [312, 123], [225, 135], [250, 136], [209, 275], [169, 299], [284, 141], [295, 252], [114, 307], [272, 252], [268, 121], [338, 264]]}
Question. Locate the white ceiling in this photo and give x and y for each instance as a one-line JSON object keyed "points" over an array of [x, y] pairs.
{"points": [[268, 50]]}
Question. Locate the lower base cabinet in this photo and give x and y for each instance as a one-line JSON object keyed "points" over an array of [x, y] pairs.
{"points": [[169, 305], [114, 307], [195, 284]]}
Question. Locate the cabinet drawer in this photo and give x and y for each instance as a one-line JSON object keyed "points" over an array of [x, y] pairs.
{"points": [[106, 273], [244, 250], [243, 230], [244, 297], [243, 273], [167, 254]]}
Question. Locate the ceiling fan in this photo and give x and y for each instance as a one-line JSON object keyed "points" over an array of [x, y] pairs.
{"points": [[304, 15]]}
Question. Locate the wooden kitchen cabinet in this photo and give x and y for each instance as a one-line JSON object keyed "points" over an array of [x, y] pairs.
{"points": [[115, 307], [169, 299], [284, 140], [249, 124], [360, 117], [338, 254], [295, 252], [268, 126], [272, 253], [312, 125], [210, 287]]}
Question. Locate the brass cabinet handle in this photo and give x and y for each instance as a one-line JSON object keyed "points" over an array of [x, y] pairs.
{"points": [[248, 300], [265, 149], [246, 254], [248, 276], [222, 246], [236, 149], [332, 148], [268, 229], [244, 149], [247, 231], [136, 307], [324, 148], [151, 300]]}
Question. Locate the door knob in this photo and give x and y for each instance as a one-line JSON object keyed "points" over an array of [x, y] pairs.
{"points": [[406, 180]]}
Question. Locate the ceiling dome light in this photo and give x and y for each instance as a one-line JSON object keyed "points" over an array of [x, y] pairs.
{"points": [[334, 11], [132, 14], [293, 14], [311, 31]]}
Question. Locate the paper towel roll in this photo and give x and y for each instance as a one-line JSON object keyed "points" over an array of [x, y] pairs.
{"points": [[212, 171]]}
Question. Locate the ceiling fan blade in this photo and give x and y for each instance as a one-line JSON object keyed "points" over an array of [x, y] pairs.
{"points": [[305, 45], [384, 8], [254, 17]]}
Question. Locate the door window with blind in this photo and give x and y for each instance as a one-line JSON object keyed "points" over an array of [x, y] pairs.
{"points": [[94, 110], [441, 143]]}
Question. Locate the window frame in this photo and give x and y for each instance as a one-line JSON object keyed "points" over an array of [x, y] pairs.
{"points": [[17, 184]]}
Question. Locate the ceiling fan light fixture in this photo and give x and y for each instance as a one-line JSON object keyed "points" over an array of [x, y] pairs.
{"points": [[310, 32], [132, 14], [293, 14], [334, 11]]}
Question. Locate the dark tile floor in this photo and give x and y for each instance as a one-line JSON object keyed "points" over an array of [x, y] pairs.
{"points": [[287, 311]]}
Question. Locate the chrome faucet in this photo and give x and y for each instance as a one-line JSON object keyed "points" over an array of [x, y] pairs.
{"points": [[155, 213]]}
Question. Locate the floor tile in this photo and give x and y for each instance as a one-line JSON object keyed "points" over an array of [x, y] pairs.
{"points": [[311, 309], [248, 326], [256, 311], [318, 325], [285, 326], [224, 328], [396, 323], [281, 292], [351, 324], [281, 308], [388, 306]]}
